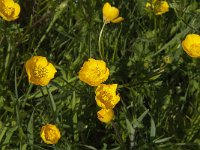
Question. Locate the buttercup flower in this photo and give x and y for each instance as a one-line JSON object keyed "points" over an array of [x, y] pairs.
{"points": [[94, 72], [191, 45], [9, 10], [39, 70], [106, 96], [105, 115], [159, 7], [110, 14], [50, 134]]}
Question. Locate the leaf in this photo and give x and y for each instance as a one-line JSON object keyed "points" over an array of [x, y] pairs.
{"points": [[143, 115], [153, 128], [2, 131], [162, 140], [9, 135]]}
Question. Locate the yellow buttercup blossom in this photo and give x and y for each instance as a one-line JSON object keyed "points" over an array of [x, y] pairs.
{"points": [[94, 72], [159, 7], [106, 96], [110, 14], [191, 45], [50, 134], [9, 10], [39, 70], [105, 115]]}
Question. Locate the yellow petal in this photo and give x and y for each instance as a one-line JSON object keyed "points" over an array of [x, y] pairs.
{"points": [[105, 115], [17, 11], [40, 61], [106, 7], [117, 20], [52, 70]]}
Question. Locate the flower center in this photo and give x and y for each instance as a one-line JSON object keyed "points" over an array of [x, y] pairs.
{"points": [[50, 135], [105, 98], [8, 11], [40, 72]]}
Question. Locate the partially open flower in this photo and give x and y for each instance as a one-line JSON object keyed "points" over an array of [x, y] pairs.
{"points": [[94, 72], [9, 10], [110, 14], [159, 7], [105, 115], [106, 96], [191, 45], [50, 134], [39, 70]]}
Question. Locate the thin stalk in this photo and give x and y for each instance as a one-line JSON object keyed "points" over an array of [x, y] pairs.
{"points": [[100, 36], [115, 47], [35, 52], [89, 52], [17, 111], [123, 146], [156, 33], [52, 103]]}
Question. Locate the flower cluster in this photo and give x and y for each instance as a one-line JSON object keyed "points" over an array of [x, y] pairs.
{"points": [[9, 10], [158, 7], [106, 98], [94, 72]]}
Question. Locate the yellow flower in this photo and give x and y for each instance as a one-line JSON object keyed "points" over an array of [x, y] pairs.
{"points": [[106, 96], [9, 10], [159, 7], [50, 134], [110, 14], [94, 72], [105, 115], [39, 70], [191, 45]]}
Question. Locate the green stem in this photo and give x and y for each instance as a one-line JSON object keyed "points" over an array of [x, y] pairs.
{"points": [[17, 111], [100, 36], [155, 28], [52, 103], [115, 47], [119, 138], [89, 52], [35, 52]]}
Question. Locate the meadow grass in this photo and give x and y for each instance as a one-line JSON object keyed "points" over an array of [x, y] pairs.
{"points": [[158, 83]]}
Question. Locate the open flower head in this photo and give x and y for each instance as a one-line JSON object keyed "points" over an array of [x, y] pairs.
{"points": [[191, 45], [159, 7], [94, 72], [105, 115], [50, 134], [106, 96], [39, 70], [9, 10], [110, 14]]}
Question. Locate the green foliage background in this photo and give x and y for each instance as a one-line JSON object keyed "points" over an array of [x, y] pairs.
{"points": [[159, 84]]}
